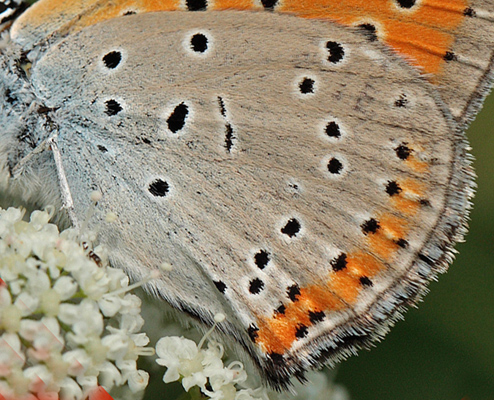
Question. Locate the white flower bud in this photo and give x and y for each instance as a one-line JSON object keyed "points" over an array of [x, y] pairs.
{"points": [[138, 380]]}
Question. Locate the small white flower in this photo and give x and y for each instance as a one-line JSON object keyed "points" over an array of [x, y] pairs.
{"points": [[27, 303], [197, 378], [29, 328], [138, 380], [131, 304], [50, 302], [85, 320], [117, 344], [47, 339], [131, 323], [197, 367], [70, 390], [9, 218], [18, 383], [5, 297], [37, 281], [87, 382], [40, 379], [66, 287], [126, 367], [172, 352], [57, 366], [39, 219], [78, 361], [11, 354], [110, 304], [93, 281], [15, 285], [96, 350], [118, 278], [109, 375], [140, 339]]}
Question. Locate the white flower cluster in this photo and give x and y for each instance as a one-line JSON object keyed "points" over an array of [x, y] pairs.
{"points": [[194, 366], [187, 362], [67, 325]]}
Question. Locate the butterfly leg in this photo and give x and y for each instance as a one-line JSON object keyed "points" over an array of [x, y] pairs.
{"points": [[67, 201], [66, 196]]}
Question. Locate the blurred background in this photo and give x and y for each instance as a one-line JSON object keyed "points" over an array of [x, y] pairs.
{"points": [[444, 350]]}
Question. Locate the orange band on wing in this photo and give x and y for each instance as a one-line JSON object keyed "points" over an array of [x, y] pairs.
{"points": [[422, 34], [235, 5]]}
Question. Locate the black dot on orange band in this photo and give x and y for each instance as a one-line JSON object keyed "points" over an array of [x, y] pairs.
{"points": [[339, 263], [370, 226], [280, 310], [293, 292], [365, 281], [301, 331], [316, 316]]}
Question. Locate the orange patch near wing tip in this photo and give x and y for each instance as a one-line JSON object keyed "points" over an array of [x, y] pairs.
{"points": [[413, 188], [275, 335], [384, 242], [393, 226], [322, 299], [235, 5], [417, 165], [363, 264], [408, 201], [405, 206], [346, 285], [422, 34]]}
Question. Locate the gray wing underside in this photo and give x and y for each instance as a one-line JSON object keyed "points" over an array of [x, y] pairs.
{"points": [[467, 78], [239, 148]]}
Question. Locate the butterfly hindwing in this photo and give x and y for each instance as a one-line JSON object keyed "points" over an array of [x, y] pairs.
{"points": [[290, 172]]}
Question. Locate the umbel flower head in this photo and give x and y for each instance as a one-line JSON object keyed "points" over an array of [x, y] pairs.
{"points": [[67, 324], [203, 368], [194, 366]]}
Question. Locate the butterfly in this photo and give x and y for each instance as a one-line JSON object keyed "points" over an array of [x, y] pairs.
{"points": [[301, 165]]}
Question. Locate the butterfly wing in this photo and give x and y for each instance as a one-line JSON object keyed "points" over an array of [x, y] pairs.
{"points": [[303, 182]]}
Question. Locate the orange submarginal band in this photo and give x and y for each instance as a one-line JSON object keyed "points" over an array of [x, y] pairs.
{"points": [[278, 333]]}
